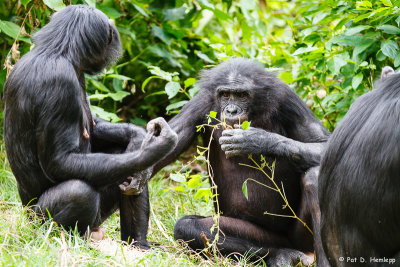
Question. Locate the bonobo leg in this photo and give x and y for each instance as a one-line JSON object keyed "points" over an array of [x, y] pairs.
{"points": [[134, 212], [70, 203], [239, 236], [134, 208], [310, 189]]}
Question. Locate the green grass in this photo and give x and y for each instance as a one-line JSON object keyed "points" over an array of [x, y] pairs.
{"points": [[26, 242]]}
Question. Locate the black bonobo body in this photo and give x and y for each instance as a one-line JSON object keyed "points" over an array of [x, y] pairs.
{"points": [[282, 128], [66, 161], [360, 179]]}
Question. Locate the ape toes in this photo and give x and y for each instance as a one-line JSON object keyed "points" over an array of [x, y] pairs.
{"points": [[96, 234], [289, 257]]}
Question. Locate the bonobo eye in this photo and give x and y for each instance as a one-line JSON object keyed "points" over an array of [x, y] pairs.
{"points": [[224, 94], [242, 94], [110, 34]]}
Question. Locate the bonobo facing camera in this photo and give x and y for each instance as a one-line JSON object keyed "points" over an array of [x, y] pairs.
{"points": [[282, 128], [67, 162]]}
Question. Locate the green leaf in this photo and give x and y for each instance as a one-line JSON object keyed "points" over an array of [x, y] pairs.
{"points": [[141, 8], [25, 2], [362, 46], [387, 3], [160, 73], [397, 60], [389, 48], [57, 5], [189, 82], [337, 62], [176, 105], [147, 81], [245, 125], [355, 30], [118, 96], [213, 114], [179, 188], [100, 86], [194, 182], [206, 4], [286, 76], [172, 88], [177, 177], [91, 3], [203, 193], [356, 81], [12, 30], [109, 11], [160, 33], [194, 91], [389, 29], [221, 14], [303, 50], [101, 113], [244, 190], [204, 57], [174, 13], [119, 77]]}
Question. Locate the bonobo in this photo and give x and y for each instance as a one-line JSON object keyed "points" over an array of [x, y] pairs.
{"points": [[358, 192], [66, 162], [283, 128]]}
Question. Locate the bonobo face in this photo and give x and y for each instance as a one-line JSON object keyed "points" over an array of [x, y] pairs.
{"points": [[234, 104], [112, 50]]}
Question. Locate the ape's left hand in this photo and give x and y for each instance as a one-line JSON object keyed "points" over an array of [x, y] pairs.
{"points": [[251, 141], [135, 184]]}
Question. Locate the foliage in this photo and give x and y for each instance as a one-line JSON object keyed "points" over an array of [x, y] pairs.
{"points": [[329, 51], [340, 48]]}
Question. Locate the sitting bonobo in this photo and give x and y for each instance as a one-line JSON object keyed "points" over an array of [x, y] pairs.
{"points": [[282, 128], [66, 162]]}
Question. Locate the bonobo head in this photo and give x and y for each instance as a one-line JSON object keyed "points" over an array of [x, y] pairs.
{"points": [[243, 90], [82, 34]]}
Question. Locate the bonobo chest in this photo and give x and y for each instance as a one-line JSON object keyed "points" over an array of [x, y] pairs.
{"points": [[231, 173]]}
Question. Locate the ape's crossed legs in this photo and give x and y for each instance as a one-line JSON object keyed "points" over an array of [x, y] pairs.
{"points": [[246, 238], [239, 236], [75, 202]]}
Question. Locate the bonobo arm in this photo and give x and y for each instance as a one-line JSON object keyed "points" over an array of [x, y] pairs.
{"points": [[184, 124], [259, 141], [121, 133], [303, 144], [59, 136]]}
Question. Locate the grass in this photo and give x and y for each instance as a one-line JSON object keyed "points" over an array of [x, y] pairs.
{"points": [[25, 242]]}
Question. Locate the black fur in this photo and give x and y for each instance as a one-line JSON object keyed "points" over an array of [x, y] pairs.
{"points": [[358, 183], [51, 135], [283, 128]]}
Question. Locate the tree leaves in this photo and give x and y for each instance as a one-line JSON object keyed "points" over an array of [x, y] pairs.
{"points": [[389, 29], [172, 88], [12, 30], [57, 5], [389, 48]]}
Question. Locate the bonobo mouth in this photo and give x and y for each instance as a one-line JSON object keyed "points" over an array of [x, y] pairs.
{"points": [[231, 121]]}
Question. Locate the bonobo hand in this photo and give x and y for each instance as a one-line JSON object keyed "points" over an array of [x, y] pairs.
{"points": [[135, 184], [251, 141], [159, 140]]}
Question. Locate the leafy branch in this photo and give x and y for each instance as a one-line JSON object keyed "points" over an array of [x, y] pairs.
{"points": [[275, 187]]}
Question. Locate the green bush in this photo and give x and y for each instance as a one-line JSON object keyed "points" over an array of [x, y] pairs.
{"points": [[330, 52]]}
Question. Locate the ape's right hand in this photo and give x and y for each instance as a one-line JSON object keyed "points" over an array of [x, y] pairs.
{"points": [[160, 138]]}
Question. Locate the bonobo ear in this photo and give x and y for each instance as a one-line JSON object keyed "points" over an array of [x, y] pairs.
{"points": [[386, 71]]}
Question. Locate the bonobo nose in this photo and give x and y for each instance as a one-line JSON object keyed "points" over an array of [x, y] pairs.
{"points": [[232, 110]]}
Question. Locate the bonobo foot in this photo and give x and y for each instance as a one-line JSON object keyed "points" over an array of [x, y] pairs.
{"points": [[287, 257], [95, 234]]}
